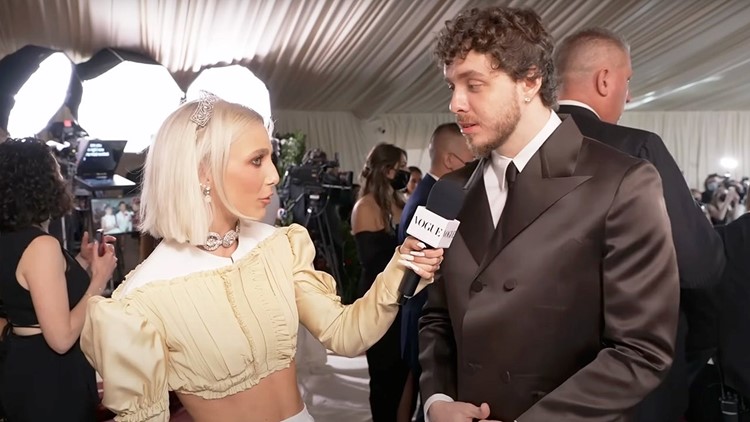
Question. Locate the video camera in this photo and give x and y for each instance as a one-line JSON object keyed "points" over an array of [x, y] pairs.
{"points": [[315, 176], [312, 194], [64, 144]]}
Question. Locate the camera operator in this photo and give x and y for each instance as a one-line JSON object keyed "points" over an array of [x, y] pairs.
{"points": [[44, 291]]}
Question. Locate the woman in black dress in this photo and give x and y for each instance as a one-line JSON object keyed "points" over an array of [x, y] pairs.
{"points": [[374, 223], [44, 292]]}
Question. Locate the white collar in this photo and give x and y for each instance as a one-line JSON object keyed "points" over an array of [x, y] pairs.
{"points": [[524, 156], [579, 104]]}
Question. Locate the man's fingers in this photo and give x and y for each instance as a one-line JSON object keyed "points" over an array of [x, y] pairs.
{"points": [[476, 412], [484, 410]]}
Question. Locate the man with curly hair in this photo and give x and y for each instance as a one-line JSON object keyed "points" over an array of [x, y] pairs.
{"points": [[558, 300]]}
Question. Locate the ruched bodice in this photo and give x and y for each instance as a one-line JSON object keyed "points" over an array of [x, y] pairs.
{"points": [[218, 332]]}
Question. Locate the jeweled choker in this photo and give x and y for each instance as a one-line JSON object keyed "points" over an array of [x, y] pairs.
{"points": [[214, 240]]}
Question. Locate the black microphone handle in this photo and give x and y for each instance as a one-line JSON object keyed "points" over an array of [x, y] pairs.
{"points": [[408, 286]]}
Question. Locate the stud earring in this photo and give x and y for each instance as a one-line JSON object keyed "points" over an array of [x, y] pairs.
{"points": [[206, 190], [527, 99]]}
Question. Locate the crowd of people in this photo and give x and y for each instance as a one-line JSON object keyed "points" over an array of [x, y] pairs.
{"points": [[585, 282]]}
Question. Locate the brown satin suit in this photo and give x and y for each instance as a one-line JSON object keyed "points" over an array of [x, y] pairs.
{"points": [[570, 313]]}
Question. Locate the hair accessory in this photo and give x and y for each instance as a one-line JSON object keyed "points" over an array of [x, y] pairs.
{"points": [[214, 240], [205, 109]]}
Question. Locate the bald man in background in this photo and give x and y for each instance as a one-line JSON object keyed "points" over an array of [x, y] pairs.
{"points": [[594, 72], [448, 152]]}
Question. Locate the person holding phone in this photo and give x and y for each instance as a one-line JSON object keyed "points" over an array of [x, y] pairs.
{"points": [[44, 292]]}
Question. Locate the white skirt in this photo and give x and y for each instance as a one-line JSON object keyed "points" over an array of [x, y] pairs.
{"points": [[303, 416]]}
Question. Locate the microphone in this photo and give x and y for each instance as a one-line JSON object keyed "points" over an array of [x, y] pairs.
{"points": [[434, 225]]}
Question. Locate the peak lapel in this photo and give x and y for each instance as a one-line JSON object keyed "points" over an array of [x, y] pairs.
{"points": [[476, 220], [545, 179]]}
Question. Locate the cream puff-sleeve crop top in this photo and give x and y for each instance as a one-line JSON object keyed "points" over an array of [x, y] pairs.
{"points": [[220, 330]]}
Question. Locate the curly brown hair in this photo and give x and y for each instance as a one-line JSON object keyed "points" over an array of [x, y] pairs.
{"points": [[31, 188], [515, 38]]}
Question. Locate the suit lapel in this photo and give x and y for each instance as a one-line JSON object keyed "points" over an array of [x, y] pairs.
{"points": [[476, 219], [545, 179]]}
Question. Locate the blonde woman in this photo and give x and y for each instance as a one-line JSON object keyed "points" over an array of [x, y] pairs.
{"points": [[212, 314]]}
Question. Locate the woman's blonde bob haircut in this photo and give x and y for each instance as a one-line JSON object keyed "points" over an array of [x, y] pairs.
{"points": [[172, 201]]}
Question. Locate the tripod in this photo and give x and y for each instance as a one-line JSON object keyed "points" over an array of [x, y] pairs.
{"points": [[324, 244]]}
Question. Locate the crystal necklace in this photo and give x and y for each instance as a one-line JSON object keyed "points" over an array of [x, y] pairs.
{"points": [[214, 240]]}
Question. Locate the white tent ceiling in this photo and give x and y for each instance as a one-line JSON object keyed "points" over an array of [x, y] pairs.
{"points": [[373, 56]]}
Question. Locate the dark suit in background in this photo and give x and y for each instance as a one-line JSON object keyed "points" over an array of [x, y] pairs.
{"points": [[734, 306], [411, 311], [700, 257], [726, 327]]}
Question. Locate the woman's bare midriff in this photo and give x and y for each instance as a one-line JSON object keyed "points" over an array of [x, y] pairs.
{"points": [[274, 399]]}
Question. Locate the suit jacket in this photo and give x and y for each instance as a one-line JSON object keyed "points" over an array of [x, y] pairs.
{"points": [[700, 258], [700, 254], [412, 309], [733, 311], [570, 313]]}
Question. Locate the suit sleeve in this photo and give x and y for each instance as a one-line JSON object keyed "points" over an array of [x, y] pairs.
{"points": [[700, 253], [640, 298], [437, 347]]}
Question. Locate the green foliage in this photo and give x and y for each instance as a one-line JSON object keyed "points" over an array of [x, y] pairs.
{"points": [[292, 149]]}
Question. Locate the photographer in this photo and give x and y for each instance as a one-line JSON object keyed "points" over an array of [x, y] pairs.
{"points": [[725, 202], [44, 291]]}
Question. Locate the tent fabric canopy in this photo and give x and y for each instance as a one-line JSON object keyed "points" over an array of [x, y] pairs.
{"points": [[372, 57], [350, 73]]}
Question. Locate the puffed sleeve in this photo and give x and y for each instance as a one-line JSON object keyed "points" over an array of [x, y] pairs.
{"points": [[130, 355], [348, 330]]}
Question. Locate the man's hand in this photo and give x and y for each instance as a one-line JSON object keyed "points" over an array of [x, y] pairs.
{"points": [[444, 411]]}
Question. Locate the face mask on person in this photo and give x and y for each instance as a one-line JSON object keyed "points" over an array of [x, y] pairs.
{"points": [[400, 180]]}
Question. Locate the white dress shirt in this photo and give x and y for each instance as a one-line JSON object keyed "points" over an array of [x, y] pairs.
{"points": [[497, 194]]}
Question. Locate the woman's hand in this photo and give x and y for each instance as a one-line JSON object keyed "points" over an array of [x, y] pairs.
{"points": [[415, 255], [88, 249], [103, 266]]}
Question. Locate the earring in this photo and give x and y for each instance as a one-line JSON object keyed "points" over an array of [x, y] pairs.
{"points": [[206, 193], [527, 99]]}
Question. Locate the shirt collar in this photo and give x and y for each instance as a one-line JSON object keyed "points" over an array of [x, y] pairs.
{"points": [[579, 104], [500, 162]]}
